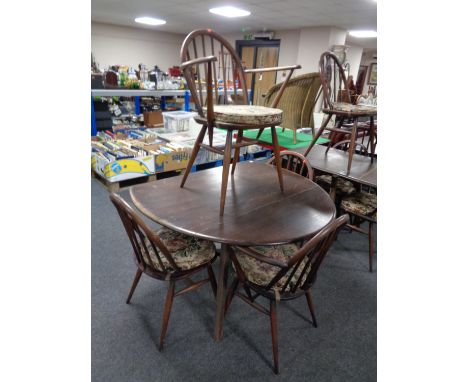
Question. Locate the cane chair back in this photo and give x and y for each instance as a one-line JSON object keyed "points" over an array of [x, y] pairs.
{"points": [[145, 242], [294, 162], [298, 274], [333, 79], [298, 100]]}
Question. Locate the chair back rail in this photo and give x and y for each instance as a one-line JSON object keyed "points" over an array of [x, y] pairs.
{"points": [[227, 67], [142, 239], [333, 79], [344, 145], [294, 162], [310, 255]]}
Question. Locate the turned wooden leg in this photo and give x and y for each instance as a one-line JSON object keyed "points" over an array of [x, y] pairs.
{"points": [[277, 152], [230, 294], [371, 247], [311, 307], [318, 134], [240, 133], [134, 285], [167, 313], [193, 155], [226, 164], [295, 136], [259, 133], [220, 298], [212, 278], [352, 144], [274, 334]]}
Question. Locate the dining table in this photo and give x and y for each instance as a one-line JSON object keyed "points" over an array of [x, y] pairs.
{"points": [[334, 162], [256, 212]]}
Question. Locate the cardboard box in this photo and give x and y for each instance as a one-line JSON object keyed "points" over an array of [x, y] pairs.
{"points": [[123, 169], [176, 160], [153, 119]]}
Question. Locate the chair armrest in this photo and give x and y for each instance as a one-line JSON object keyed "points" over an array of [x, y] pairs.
{"points": [[258, 256], [197, 61], [275, 69]]}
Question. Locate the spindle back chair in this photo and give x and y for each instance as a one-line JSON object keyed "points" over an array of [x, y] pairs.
{"points": [[294, 162], [337, 102], [280, 273], [207, 56], [153, 258]]}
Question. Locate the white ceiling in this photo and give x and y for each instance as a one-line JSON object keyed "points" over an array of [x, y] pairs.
{"points": [[183, 16]]}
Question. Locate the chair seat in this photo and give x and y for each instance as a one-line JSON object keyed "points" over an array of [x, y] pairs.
{"points": [[247, 114], [261, 273], [343, 186], [362, 203], [188, 252], [350, 108]]}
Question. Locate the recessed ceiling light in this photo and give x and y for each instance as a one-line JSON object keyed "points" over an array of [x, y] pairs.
{"points": [[150, 21], [363, 34], [229, 11]]}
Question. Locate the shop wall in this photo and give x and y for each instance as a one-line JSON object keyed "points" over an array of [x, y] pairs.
{"points": [[354, 55], [112, 44], [367, 60]]}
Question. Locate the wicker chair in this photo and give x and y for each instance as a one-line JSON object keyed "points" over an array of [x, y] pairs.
{"points": [[298, 101]]}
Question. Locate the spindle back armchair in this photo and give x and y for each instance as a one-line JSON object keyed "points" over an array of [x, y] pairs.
{"points": [[279, 273], [153, 257], [294, 162], [207, 56], [337, 102]]}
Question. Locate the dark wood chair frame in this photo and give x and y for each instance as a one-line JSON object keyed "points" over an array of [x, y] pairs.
{"points": [[137, 231], [354, 224], [203, 41], [294, 162], [336, 89], [311, 254]]}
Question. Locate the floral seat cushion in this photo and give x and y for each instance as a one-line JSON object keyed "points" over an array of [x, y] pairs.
{"points": [[343, 186], [247, 114], [362, 203], [350, 108], [188, 252], [261, 273]]}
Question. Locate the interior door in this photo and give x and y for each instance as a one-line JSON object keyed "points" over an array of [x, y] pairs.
{"points": [[267, 57], [259, 54]]}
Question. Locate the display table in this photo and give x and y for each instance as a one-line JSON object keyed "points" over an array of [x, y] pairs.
{"points": [[256, 212]]}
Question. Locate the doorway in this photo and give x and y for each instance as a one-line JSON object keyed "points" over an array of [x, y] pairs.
{"points": [[259, 54]]}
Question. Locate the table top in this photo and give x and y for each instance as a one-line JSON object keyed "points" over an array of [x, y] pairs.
{"points": [[256, 212], [335, 162]]}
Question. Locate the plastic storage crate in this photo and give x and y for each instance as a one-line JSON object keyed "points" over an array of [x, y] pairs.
{"points": [[175, 121]]}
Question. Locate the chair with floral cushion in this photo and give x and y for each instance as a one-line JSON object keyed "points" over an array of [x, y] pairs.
{"points": [[337, 102], [213, 70], [280, 273], [294, 162], [362, 207], [165, 255]]}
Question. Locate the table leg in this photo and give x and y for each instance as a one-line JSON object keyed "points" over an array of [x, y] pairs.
{"points": [[333, 188], [220, 298]]}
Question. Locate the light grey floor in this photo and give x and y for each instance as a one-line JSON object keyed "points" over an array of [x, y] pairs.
{"points": [[124, 337]]}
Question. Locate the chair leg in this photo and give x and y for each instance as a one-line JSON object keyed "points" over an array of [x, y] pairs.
{"points": [[214, 285], [277, 152], [167, 313], [230, 294], [240, 133], [193, 155], [372, 137], [371, 246], [274, 334], [295, 136], [318, 134], [226, 164], [352, 145], [259, 133], [311, 307], [134, 285]]}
